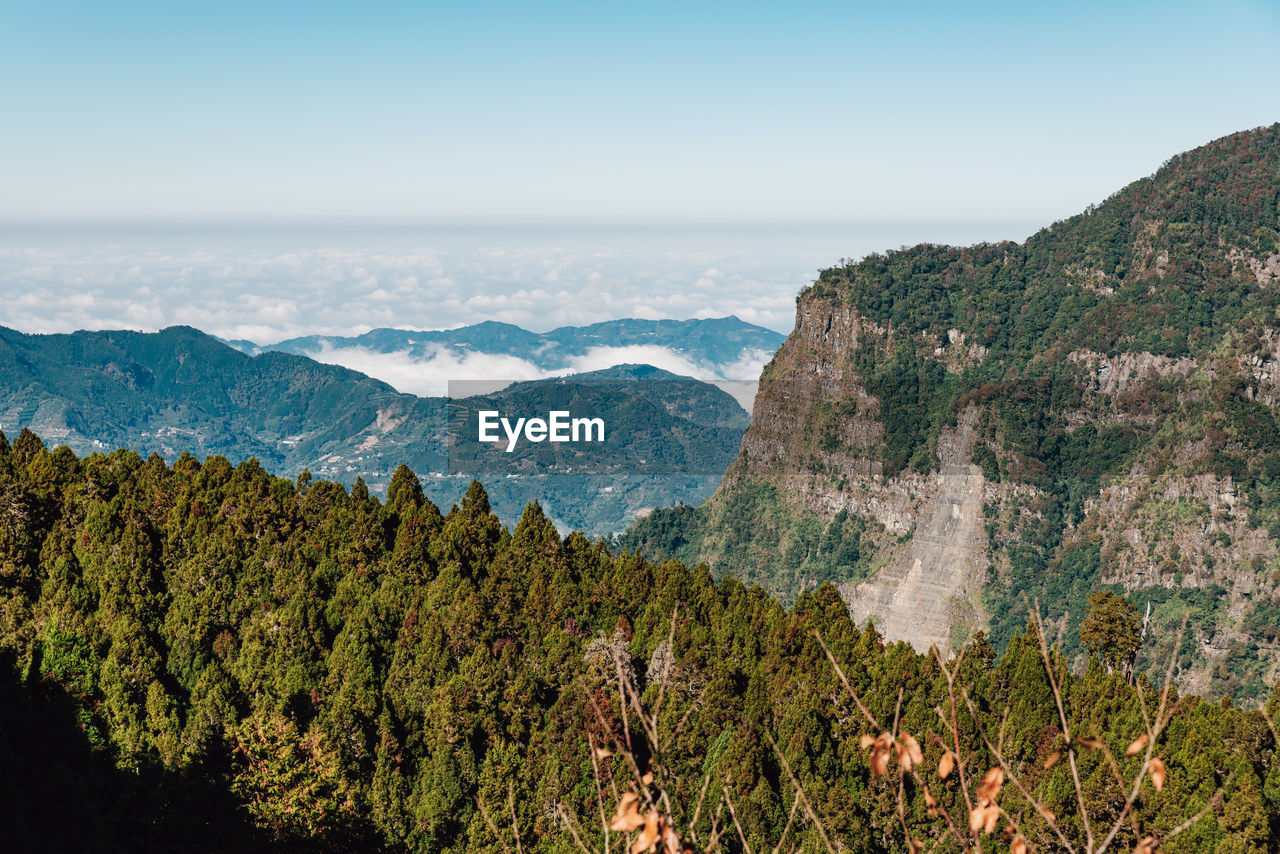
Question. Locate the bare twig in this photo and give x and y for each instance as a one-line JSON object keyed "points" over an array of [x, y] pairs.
{"points": [[871, 719], [493, 828], [733, 813], [595, 767], [1066, 728], [716, 829], [1163, 716], [1015, 779], [1213, 800], [795, 805], [866, 713], [511, 804], [568, 822], [666, 670], [804, 800], [954, 725], [697, 810]]}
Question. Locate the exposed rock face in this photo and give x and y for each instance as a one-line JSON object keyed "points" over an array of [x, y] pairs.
{"points": [[1096, 406], [1163, 528], [812, 367], [934, 585], [1265, 270], [1114, 375], [927, 585]]}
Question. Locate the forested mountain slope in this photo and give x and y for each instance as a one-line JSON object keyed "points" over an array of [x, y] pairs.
{"points": [[182, 391], [1107, 390], [207, 658]]}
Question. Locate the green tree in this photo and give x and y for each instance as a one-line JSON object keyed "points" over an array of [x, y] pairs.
{"points": [[1112, 630]]}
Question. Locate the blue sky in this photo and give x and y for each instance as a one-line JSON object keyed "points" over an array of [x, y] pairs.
{"points": [[795, 112]]}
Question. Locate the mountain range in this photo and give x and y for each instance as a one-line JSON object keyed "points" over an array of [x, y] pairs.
{"points": [[950, 434], [196, 657], [425, 362], [181, 391], [714, 342]]}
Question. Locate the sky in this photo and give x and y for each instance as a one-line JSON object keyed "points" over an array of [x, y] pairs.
{"points": [[796, 111], [276, 169]]}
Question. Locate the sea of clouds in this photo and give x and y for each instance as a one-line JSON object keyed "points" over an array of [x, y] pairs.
{"points": [[269, 283], [430, 374]]}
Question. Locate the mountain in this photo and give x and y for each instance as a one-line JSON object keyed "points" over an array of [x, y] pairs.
{"points": [[949, 432], [681, 397], [668, 441], [715, 343], [657, 423], [182, 391]]}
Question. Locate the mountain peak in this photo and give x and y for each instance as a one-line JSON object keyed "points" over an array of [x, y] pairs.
{"points": [[1096, 406]]}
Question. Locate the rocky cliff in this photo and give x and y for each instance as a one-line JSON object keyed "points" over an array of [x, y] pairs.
{"points": [[1095, 407]]}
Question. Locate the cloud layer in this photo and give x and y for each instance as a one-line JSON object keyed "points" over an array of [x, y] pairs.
{"points": [[274, 283], [431, 376], [266, 290]]}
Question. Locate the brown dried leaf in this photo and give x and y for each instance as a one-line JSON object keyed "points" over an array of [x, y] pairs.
{"points": [[946, 764], [984, 818], [1052, 759], [916, 846], [866, 740], [880, 753], [1157, 773], [1138, 743], [671, 842], [914, 753], [647, 838], [1146, 846], [647, 779], [1090, 742], [1018, 846], [930, 804], [602, 753], [989, 788], [628, 816]]}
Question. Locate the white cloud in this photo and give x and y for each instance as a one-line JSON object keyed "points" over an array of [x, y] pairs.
{"points": [[268, 286], [285, 285], [429, 375]]}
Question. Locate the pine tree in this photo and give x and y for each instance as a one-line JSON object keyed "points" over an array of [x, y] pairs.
{"points": [[1111, 630]]}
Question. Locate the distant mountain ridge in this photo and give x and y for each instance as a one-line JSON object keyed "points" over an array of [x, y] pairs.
{"points": [[716, 341]]}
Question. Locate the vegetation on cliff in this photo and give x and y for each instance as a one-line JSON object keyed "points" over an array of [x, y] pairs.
{"points": [[1124, 368]]}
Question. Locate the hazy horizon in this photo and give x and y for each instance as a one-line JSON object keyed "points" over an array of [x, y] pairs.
{"points": [[267, 284]]}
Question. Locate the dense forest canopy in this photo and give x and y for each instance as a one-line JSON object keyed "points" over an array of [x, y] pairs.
{"points": [[206, 657]]}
